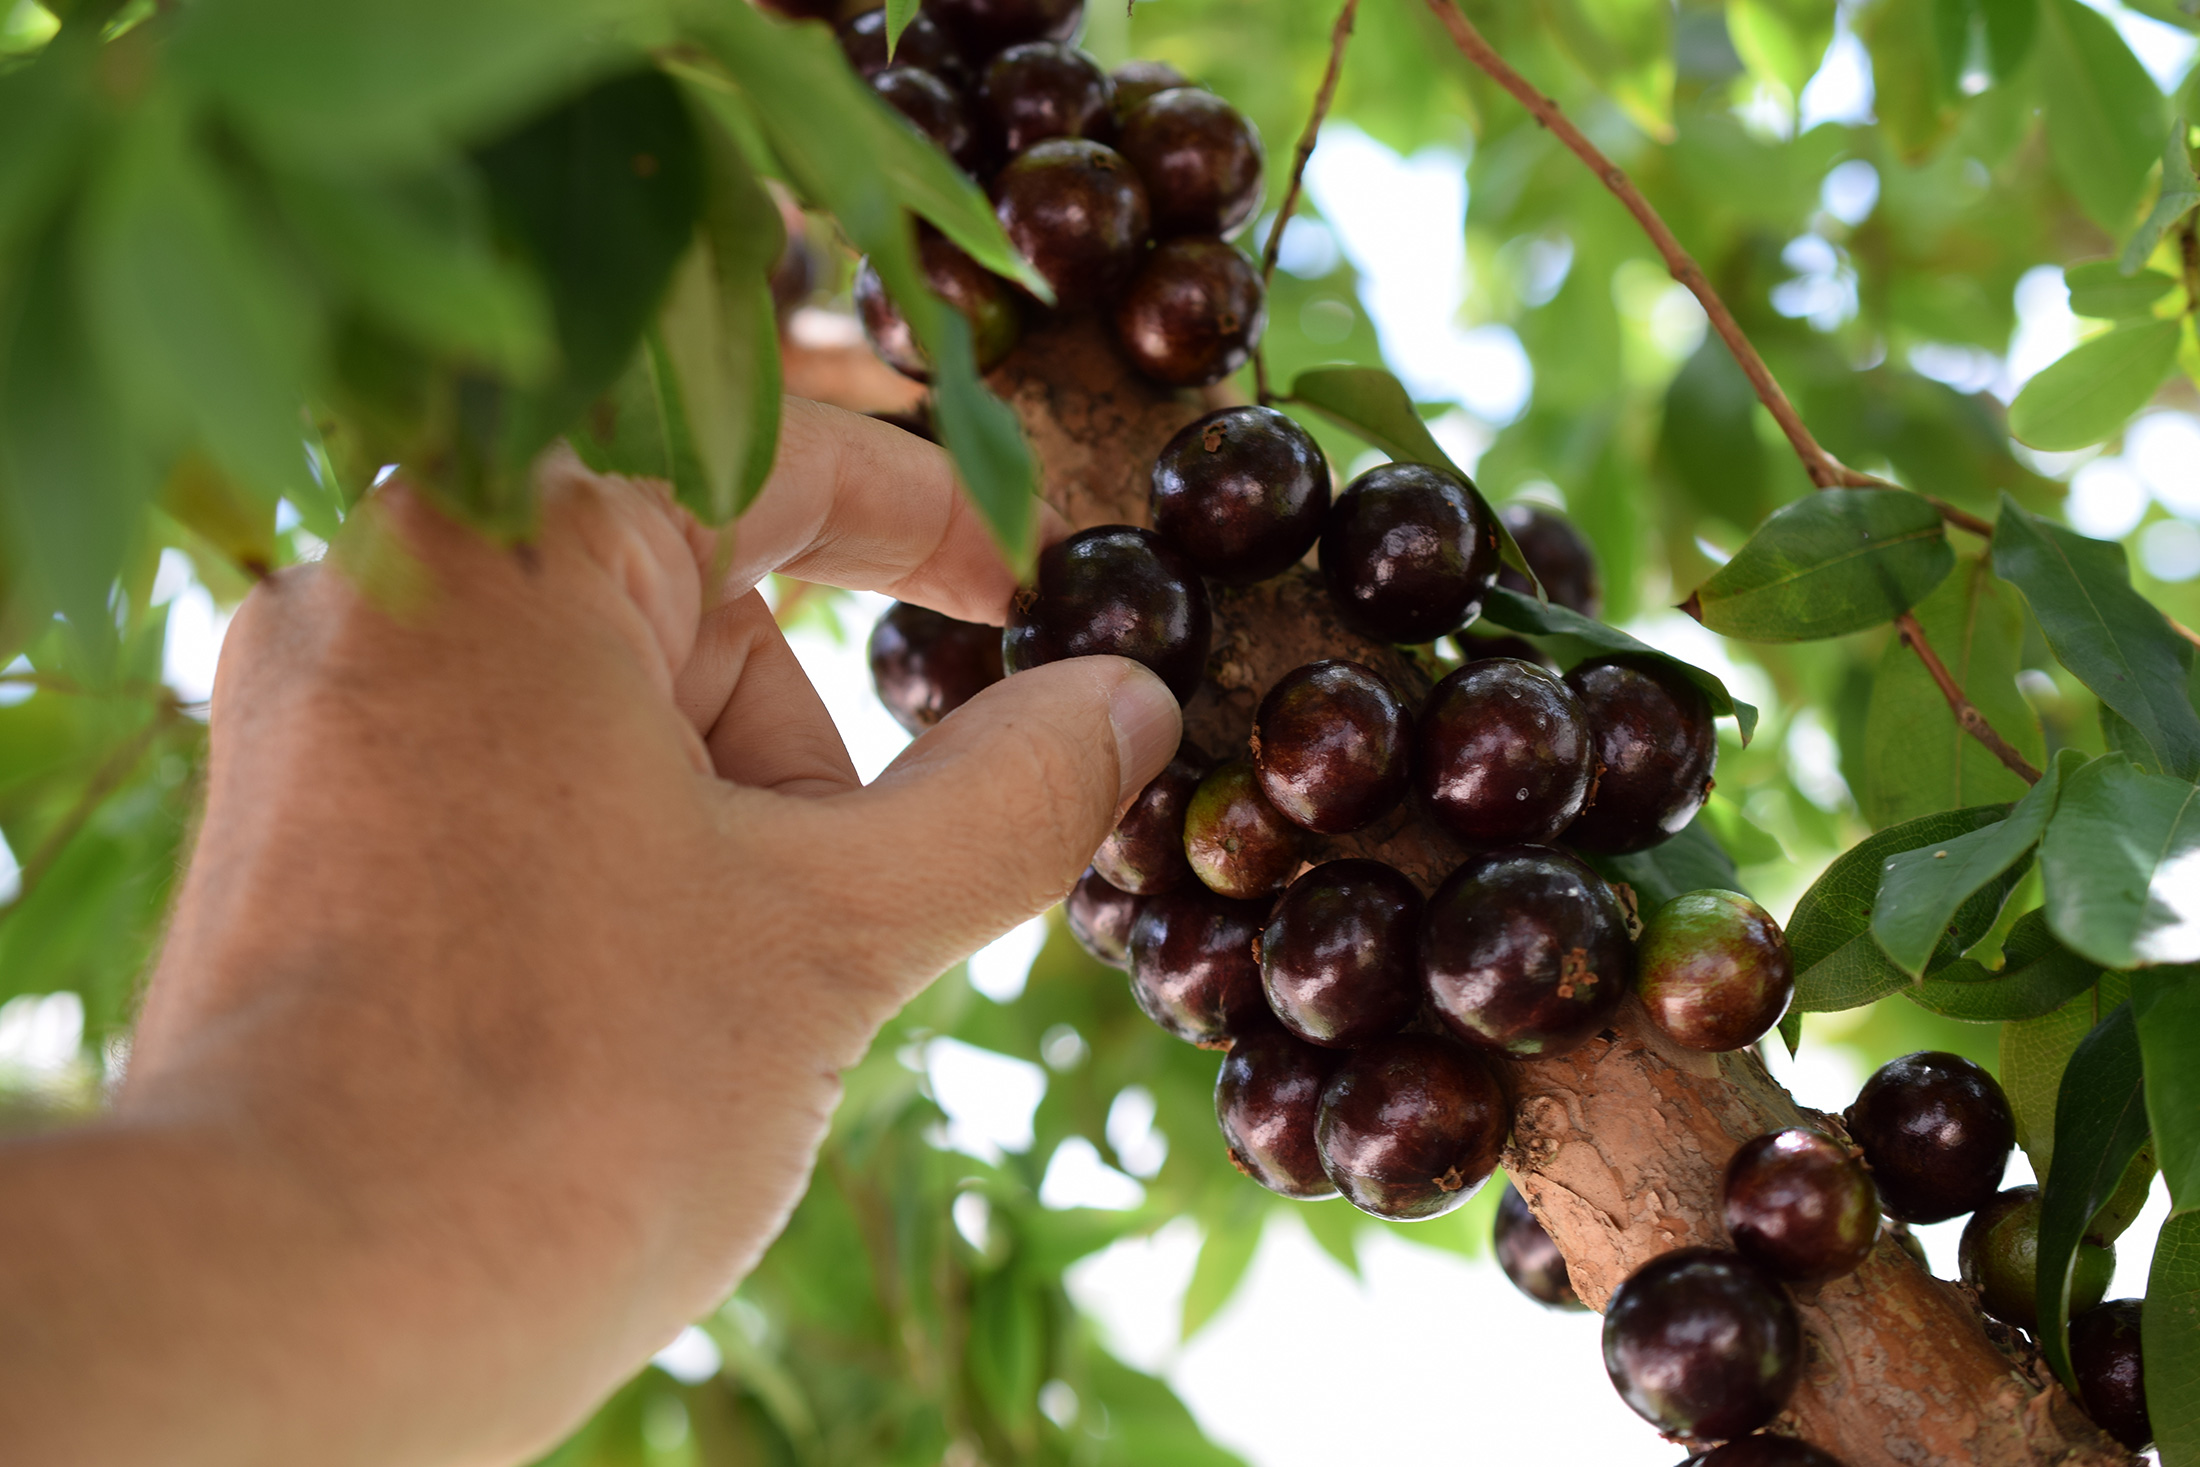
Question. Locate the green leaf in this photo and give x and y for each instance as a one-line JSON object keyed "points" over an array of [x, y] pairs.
{"points": [[2121, 860], [1225, 1253], [1909, 94], [1707, 440], [1626, 47], [2033, 1053], [1582, 637], [2090, 391], [2101, 289], [2100, 1124], [2011, 26], [2106, 633], [46, 114], [1335, 1225], [2169, 1341], [1832, 562], [1782, 41], [1692, 860], [2038, 976], [1791, 1030], [2180, 191], [1838, 964], [2166, 1004], [1916, 758], [898, 15], [2105, 115], [1007, 1344], [1920, 890]]}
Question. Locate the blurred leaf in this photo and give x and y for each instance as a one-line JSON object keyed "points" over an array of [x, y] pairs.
{"points": [[2038, 976], [1006, 1345], [1692, 860], [1908, 94], [2169, 1342], [2032, 1056], [2109, 637], [1583, 638], [2121, 858], [1147, 1426], [1708, 439], [2100, 1124], [2089, 392], [1336, 1225], [1626, 47], [2010, 28], [1225, 1254], [1832, 562], [898, 15], [2180, 191], [2105, 116], [239, 525], [2165, 1002], [2100, 289], [46, 114], [1783, 41]]}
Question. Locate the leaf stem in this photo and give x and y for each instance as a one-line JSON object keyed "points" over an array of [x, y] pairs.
{"points": [[1974, 722], [1340, 33]]}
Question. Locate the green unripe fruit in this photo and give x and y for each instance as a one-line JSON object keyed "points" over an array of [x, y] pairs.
{"points": [[1713, 970], [1999, 1259]]}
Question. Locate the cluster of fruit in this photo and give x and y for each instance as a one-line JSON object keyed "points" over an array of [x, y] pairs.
{"points": [[1123, 191]]}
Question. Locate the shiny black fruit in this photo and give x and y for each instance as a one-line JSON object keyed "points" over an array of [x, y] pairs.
{"points": [[2104, 1356], [1801, 1204], [1242, 492], [983, 27], [1266, 1100], [1408, 552], [1528, 1256], [923, 45], [1144, 854], [1237, 842], [1041, 90], [1656, 748], [1193, 312], [1769, 1451], [1713, 970], [1078, 212], [1200, 158], [925, 665], [1525, 949], [985, 300], [1999, 1259], [1135, 81], [1502, 753], [1339, 960], [1936, 1131], [1703, 1344], [1411, 1126], [935, 107], [1330, 741], [1119, 590], [1100, 918], [1193, 969], [1560, 558]]}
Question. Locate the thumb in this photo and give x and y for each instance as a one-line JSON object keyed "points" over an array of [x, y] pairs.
{"points": [[992, 815]]}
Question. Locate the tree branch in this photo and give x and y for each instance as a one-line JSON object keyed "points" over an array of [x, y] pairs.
{"points": [[1340, 33], [1974, 722]]}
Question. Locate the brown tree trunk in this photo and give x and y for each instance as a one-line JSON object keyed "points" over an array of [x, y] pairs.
{"points": [[1620, 1146]]}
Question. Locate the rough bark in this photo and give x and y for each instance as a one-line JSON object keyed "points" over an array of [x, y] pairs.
{"points": [[1619, 1147]]}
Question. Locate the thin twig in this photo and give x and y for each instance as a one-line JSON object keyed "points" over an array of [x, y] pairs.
{"points": [[1974, 722], [1323, 95], [1962, 519]]}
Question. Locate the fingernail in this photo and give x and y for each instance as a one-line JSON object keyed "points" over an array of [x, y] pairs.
{"points": [[1147, 726]]}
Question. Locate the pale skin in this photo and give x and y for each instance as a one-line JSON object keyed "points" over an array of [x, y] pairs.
{"points": [[534, 912]]}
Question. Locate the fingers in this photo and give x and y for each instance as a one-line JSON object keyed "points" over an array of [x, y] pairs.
{"points": [[858, 503], [762, 721]]}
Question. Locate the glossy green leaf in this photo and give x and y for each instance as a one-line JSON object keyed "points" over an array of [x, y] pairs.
{"points": [[1832, 562], [2033, 1053], [1693, 860], [898, 15], [1783, 41], [1225, 1254], [2038, 976], [2105, 116], [2088, 393], [1626, 47], [2169, 1341], [2100, 289], [1579, 637], [1920, 890], [1707, 439], [2109, 637], [2121, 859], [2100, 1124], [2166, 1003], [2180, 191], [1791, 1030]]}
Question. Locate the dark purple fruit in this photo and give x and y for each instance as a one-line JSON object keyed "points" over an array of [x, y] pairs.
{"points": [[1144, 854], [1193, 969], [985, 300], [1713, 970], [1560, 558], [1525, 949], [1769, 1451], [1200, 158], [1113, 589], [923, 45], [1330, 742], [1411, 1126], [1528, 1256], [1100, 918], [983, 27], [1041, 90], [1339, 960], [1237, 842], [1078, 213], [1999, 1260], [1703, 1344], [1266, 1100], [1656, 748], [1800, 1204], [1936, 1131], [1242, 492], [1409, 551], [1193, 312], [1502, 753], [1135, 81], [934, 107], [925, 665], [2104, 1357]]}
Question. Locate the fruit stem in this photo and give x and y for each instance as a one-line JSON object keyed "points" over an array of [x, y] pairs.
{"points": [[1323, 95]]}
